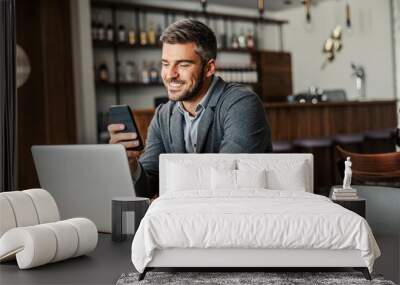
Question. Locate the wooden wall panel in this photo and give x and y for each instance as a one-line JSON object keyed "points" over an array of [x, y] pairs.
{"points": [[46, 113]]}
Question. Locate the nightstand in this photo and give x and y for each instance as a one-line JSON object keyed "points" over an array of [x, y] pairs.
{"points": [[355, 205]]}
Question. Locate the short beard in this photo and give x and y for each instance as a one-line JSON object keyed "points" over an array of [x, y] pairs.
{"points": [[190, 94]]}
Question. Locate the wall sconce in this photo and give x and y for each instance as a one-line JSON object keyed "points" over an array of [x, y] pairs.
{"points": [[308, 20], [23, 67], [332, 45], [348, 16]]}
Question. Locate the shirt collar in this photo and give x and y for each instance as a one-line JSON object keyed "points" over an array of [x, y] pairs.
{"points": [[204, 101]]}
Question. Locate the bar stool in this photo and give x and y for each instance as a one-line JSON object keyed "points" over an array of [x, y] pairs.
{"points": [[282, 147], [349, 142], [323, 172], [380, 141]]}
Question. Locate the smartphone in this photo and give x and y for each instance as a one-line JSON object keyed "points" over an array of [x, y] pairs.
{"points": [[122, 114]]}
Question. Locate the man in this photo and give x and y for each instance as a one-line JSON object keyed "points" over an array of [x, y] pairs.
{"points": [[204, 114]]}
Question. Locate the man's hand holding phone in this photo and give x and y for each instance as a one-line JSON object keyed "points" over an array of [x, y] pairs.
{"points": [[123, 130], [128, 140]]}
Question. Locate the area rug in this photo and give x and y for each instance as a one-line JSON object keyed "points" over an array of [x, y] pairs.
{"points": [[243, 278]]}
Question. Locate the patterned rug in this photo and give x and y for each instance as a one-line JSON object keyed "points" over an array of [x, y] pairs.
{"points": [[243, 278]]}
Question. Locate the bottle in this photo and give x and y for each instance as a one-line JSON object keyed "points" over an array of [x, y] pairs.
{"points": [[103, 73], [151, 34], [132, 37], [101, 31], [153, 73], [145, 73], [234, 42], [121, 34], [110, 33], [158, 33], [143, 38], [131, 72], [242, 39], [250, 40]]}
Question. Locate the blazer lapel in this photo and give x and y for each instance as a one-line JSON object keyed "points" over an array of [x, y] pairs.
{"points": [[208, 117], [204, 125], [176, 131]]}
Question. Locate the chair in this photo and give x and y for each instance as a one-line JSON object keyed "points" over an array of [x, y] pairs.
{"points": [[377, 169], [282, 147], [31, 231]]}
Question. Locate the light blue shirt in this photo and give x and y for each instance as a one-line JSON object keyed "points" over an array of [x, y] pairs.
{"points": [[191, 123]]}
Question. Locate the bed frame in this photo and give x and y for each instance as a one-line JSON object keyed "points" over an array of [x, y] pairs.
{"points": [[242, 259]]}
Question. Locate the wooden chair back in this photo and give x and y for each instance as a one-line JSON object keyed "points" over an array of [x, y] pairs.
{"points": [[380, 167]]}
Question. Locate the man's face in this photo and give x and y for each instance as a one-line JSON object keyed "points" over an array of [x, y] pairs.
{"points": [[183, 72]]}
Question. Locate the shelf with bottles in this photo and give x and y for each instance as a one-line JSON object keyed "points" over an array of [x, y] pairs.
{"points": [[124, 6], [239, 73], [136, 31], [128, 74]]}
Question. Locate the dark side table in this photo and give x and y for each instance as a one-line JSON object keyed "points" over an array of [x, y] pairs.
{"points": [[357, 206], [119, 205]]}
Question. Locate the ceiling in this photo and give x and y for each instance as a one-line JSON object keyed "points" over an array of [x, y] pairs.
{"points": [[272, 5]]}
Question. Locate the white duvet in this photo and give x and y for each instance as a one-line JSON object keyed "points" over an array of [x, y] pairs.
{"points": [[252, 218]]}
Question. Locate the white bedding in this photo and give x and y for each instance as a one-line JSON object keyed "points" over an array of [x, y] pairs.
{"points": [[251, 218]]}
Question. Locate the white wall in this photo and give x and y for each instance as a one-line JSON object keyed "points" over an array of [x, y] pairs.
{"points": [[369, 44]]}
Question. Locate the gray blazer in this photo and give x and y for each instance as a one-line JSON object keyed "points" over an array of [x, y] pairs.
{"points": [[234, 122]]}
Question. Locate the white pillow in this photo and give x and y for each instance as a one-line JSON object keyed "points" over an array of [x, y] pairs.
{"points": [[251, 178], [225, 179], [282, 174], [184, 174]]}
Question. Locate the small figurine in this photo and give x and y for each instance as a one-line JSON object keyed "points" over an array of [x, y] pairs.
{"points": [[347, 174]]}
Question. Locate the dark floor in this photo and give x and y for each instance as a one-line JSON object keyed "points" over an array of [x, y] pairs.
{"points": [[111, 259], [102, 266]]}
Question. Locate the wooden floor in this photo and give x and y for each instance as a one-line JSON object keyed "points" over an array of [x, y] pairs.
{"points": [[110, 259]]}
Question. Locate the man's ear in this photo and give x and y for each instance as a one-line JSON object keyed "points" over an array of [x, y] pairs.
{"points": [[210, 68]]}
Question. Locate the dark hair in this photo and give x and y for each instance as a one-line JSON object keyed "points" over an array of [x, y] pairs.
{"points": [[192, 31]]}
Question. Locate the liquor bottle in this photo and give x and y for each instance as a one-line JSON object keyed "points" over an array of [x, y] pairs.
{"points": [[158, 33], [143, 38], [153, 72], [242, 39], [234, 41], [250, 40], [132, 37], [103, 73], [110, 33], [101, 31], [145, 73], [121, 33], [151, 34], [131, 74]]}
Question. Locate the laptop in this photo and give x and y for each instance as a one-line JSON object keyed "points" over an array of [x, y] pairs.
{"points": [[83, 179]]}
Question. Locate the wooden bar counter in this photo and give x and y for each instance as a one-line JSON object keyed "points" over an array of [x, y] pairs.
{"points": [[295, 121]]}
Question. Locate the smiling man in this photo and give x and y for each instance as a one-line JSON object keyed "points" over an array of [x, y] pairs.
{"points": [[204, 113]]}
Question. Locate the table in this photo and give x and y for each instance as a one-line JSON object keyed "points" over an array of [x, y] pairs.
{"points": [[119, 205]]}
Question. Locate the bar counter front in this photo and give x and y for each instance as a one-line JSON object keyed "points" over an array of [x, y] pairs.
{"points": [[298, 121]]}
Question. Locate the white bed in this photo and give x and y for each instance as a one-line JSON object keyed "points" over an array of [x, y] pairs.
{"points": [[247, 210]]}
